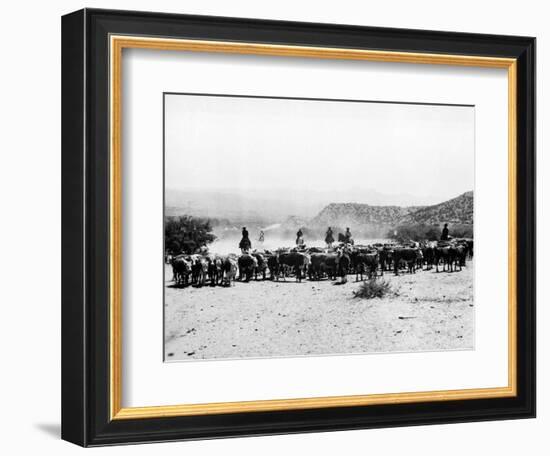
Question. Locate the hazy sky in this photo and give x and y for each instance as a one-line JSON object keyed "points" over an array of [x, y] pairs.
{"points": [[259, 144]]}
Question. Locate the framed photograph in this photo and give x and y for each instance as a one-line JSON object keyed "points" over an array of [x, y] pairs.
{"points": [[278, 227]]}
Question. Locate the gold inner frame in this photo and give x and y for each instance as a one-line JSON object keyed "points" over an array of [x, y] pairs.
{"points": [[117, 44]]}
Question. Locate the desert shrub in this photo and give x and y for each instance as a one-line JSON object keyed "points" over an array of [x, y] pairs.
{"points": [[373, 288], [187, 234]]}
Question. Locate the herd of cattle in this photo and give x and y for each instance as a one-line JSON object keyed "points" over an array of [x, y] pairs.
{"points": [[317, 263]]}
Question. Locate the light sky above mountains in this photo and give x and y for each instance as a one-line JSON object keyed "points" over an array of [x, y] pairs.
{"points": [[265, 145]]}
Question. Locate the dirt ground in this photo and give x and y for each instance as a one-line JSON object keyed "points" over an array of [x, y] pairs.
{"points": [[426, 311]]}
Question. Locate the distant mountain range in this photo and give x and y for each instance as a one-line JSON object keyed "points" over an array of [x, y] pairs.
{"points": [[275, 205], [363, 219]]}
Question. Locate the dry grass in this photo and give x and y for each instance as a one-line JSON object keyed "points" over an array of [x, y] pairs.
{"points": [[373, 288]]}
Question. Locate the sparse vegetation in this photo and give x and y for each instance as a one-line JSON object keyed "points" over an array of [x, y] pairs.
{"points": [[373, 288], [461, 231], [421, 232], [406, 233]]}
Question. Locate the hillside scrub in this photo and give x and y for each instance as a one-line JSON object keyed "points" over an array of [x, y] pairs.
{"points": [[462, 231]]}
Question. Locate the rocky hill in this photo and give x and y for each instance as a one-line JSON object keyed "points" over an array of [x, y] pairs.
{"points": [[354, 214], [458, 210]]}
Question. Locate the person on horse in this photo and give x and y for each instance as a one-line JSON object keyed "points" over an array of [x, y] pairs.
{"points": [[329, 238], [445, 232], [300, 237], [245, 245], [347, 236]]}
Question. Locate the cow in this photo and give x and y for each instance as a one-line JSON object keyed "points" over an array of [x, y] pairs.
{"points": [[343, 263], [461, 251], [296, 261], [444, 253], [322, 264], [470, 250], [317, 266], [385, 255], [181, 269], [273, 265], [364, 262], [409, 256], [247, 266], [453, 255], [262, 265], [229, 270], [428, 252], [215, 273], [331, 266], [468, 244], [199, 270]]}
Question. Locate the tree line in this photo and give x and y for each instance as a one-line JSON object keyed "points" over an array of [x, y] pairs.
{"points": [[186, 234], [422, 232]]}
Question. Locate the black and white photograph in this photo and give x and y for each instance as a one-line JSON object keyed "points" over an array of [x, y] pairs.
{"points": [[310, 227]]}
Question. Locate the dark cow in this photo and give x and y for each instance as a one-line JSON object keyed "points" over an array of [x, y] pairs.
{"points": [[444, 253], [343, 263], [468, 244], [407, 255], [461, 251], [453, 256], [470, 250], [330, 267], [318, 266], [215, 272], [181, 269], [199, 270], [385, 256], [247, 267], [273, 266], [294, 261], [468, 247], [364, 263], [262, 265]]}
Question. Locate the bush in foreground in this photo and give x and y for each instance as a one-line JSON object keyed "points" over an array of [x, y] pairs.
{"points": [[373, 288]]}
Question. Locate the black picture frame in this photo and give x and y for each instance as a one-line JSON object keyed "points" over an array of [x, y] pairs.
{"points": [[85, 228]]}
